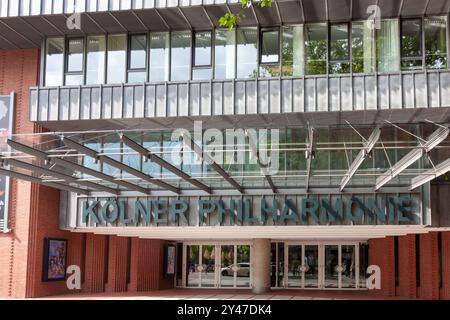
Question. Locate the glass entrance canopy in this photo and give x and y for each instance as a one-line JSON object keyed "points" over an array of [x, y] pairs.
{"points": [[242, 161]]}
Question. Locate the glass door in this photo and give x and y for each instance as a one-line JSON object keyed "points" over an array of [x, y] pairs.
{"points": [[310, 267], [208, 269], [332, 268], [194, 266], [243, 270], [227, 266]]}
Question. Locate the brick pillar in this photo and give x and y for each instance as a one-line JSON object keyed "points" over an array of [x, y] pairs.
{"points": [[407, 266], [117, 264], [147, 266], [95, 270], [381, 253], [429, 266], [445, 251]]}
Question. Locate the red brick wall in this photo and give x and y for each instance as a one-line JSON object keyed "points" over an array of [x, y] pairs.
{"points": [[429, 266], [96, 263], [445, 291], [381, 253], [407, 266], [118, 264]]}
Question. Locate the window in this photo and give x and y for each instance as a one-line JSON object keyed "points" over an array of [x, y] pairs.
{"points": [[180, 56], [137, 59], [117, 56], [202, 61], [54, 63], [316, 49], [269, 55], [159, 56], [363, 48], [247, 52], [74, 64], [293, 51], [224, 54], [95, 60], [339, 49], [388, 45], [411, 41], [435, 42]]}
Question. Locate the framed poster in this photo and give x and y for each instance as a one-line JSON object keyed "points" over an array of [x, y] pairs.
{"points": [[55, 260], [6, 128], [169, 260]]}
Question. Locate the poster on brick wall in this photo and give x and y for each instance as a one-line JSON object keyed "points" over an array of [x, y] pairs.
{"points": [[6, 127]]}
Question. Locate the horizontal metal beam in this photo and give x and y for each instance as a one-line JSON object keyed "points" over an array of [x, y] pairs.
{"points": [[431, 174], [118, 165], [59, 175], [32, 179], [199, 151], [147, 154], [362, 155], [69, 164]]}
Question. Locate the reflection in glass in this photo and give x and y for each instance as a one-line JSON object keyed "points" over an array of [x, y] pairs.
{"points": [[224, 54], [227, 263], [436, 42], [311, 266], [331, 267], [339, 49], [316, 49], [348, 264], [95, 61], [293, 51], [75, 55], [247, 52], [111, 146], [294, 266], [363, 45], [117, 53], [159, 56], [363, 264], [180, 56], [138, 51], [208, 277], [193, 272], [411, 40], [202, 51], [270, 46], [54, 62], [243, 266], [388, 54]]}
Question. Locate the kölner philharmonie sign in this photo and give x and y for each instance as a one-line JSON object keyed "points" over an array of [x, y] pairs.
{"points": [[353, 210]]}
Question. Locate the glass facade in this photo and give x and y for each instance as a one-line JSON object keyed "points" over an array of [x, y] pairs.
{"points": [[249, 52]]}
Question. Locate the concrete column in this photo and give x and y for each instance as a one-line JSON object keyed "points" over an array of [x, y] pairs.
{"points": [[261, 265]]}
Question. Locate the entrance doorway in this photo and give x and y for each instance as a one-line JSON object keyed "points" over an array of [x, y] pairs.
{"points": [[319, 265], [217, 265]]}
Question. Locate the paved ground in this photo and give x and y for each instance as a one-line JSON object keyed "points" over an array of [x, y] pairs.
{"points": [[200, 294]]}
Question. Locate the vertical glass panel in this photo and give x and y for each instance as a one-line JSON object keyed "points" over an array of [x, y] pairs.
{"points": [[202, 74], [74, 79], [25, 7], [111, 147], [193, 272], [35, 7], [247, 52], [227, 263], [293, 51], [89, 162], [208, 277], [243, 266], [75, 48], [117, 56], [13, 8], [138, 51], [95, 60], [137, 76], [152, 142], [54, 62], [363, 264], [331, 267], [311, 266], [339, 49], [202, 52], [180, 56], [294, 266], [363, 45], [348, 265], [224, 52], [273, 265], [159, 56], [436, 42], [270, 46], [411, 44], [388, 54], [316, 49]]}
